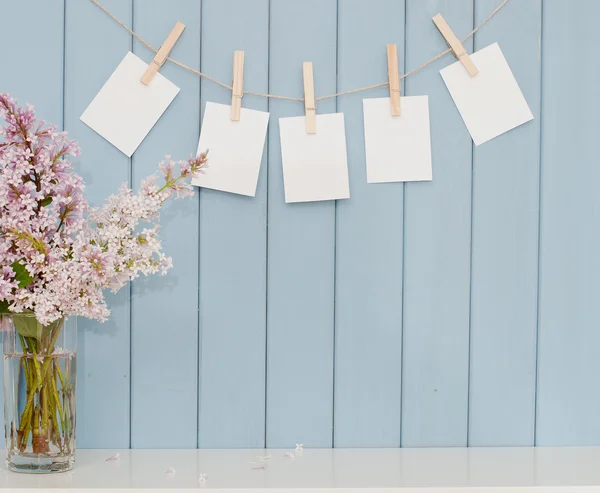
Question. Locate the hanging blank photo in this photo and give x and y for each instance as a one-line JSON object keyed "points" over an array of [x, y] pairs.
{"points": [[235, 149], [398, 148], [125, 110], [490, 103], [315, 166]]}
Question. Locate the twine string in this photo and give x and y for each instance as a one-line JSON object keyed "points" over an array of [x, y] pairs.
{"points": [[289, 98]]}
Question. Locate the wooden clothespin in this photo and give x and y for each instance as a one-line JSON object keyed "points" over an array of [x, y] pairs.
{"points": [[455, 45], [163, 53], [310, 104], [237, 85], [393, 79]]}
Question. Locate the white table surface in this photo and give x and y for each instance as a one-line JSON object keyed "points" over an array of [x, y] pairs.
{"points": [[324, 470]]}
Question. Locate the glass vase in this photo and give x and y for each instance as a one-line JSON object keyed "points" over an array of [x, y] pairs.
{"points": [[39, 393]]}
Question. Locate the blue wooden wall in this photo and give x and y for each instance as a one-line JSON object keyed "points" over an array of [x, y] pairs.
{"points": [[462, 311]]}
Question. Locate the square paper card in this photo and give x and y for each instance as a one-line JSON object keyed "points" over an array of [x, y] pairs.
{"points": [[398, 148], [491, 102], [235, 149], [125, 110], [315, 166]]}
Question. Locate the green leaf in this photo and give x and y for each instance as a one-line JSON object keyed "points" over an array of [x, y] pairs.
{"points": [[4, 307], [46, 201], [22, 275], [28, 326]]}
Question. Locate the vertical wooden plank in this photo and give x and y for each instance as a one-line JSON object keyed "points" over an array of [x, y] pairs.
{"points": [[505, 246], [301, 241], [21, 78], [44, 43], [368, 318], [569, 339], [233, 247], [437, 247], [94, 46], [164, 319]]}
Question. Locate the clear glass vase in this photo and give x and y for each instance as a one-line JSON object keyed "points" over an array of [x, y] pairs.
{"points": [[39, 393]]}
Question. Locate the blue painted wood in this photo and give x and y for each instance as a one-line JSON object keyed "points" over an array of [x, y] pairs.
{"points": [[568, 402], [368, 316], [94, 47], [233, 247], [354, 252], [44, 37], [505, 247], [164, 318], [301, 241], [19, 77], [437, 247]]}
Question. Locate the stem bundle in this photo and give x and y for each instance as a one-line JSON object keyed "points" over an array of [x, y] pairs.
{"points": [[45, 418]]}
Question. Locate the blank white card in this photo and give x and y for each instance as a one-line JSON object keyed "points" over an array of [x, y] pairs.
{"points": [[398, 148], [490, 103], [125, 110], [315, 166], [235, 149]]}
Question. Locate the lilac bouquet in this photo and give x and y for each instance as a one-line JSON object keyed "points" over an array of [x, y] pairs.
{"points": [[57, 256]]}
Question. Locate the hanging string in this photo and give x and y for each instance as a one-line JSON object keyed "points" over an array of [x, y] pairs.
{"points": [[288, 98]]}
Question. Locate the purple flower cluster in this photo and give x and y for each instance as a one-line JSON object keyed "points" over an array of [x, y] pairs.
{"points": [[56, 257]]}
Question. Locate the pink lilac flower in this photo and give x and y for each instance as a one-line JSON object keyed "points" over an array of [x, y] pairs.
{"points": [[7, 282], [65, 253]]}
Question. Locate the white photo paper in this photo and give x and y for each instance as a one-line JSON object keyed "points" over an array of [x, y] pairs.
{"points": [[125, 110], [398, 148], [315, 166], [235, 149], [490, 103]]}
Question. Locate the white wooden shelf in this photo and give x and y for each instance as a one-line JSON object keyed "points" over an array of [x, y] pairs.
{"points": [[478, 470]]}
